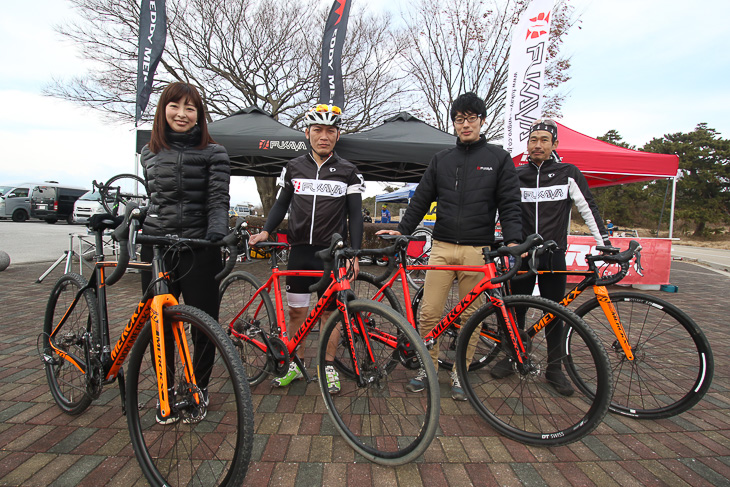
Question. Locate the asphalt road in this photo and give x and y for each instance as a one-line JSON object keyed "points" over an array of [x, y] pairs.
{"points": [[715, 258], [36, 240]]}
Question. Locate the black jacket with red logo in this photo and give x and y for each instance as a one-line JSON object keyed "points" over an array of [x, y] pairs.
{"points": [[547, 193], [319, 200], [470, 183]]}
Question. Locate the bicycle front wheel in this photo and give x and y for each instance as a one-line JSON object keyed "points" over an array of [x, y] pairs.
{"points": [[523, 401], [67, 381], [673, 363], [375, 414], [207, 439], [236, 290]]}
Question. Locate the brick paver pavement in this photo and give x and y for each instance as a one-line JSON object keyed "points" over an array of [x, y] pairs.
{"points": [[296, 445]]}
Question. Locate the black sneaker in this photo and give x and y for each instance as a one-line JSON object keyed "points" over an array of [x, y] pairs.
{"points": [[502, 369], [560, 383], [457, 392], [418, 383]]}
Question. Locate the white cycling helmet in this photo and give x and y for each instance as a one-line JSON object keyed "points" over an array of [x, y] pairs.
{"points": [[323, 115]]}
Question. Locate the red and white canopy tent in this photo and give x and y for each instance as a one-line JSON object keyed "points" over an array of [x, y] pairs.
{"points": [[605, 164]]}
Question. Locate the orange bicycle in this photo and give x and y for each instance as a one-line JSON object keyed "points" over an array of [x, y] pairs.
{"points": [[662, 363], [187, 401], [379, 350]]}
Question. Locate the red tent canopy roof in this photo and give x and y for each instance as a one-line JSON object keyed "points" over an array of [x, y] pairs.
{"points": [[605, 164]]}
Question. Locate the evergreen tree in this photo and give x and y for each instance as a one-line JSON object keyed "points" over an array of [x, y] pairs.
{"points": [[703, 190]]}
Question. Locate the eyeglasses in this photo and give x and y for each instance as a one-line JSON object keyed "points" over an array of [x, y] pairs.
{"points": [[546, 121], [323, 108], [470, 119]]}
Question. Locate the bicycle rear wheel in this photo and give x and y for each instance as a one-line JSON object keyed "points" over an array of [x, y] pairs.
{"points": [[673, 363], [235, 291], [120, 190], [377, 417], [67, 382], [522, 404], [206, 441]]}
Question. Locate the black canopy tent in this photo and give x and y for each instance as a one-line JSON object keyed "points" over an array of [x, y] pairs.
{"points": [[398, 150], [257, 144]]}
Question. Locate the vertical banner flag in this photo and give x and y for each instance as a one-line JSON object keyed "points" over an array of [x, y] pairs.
{"points": [[152, 34], [526, 78], [331, 90]]}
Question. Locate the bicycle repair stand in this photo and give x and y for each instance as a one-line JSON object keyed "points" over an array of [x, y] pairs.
{"points": [[69, 254]]}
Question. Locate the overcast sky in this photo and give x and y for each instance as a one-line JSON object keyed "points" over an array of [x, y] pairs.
{"points": [[645, 68]]}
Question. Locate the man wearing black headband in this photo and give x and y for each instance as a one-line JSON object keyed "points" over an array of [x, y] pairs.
{"points": [[548, 188]]}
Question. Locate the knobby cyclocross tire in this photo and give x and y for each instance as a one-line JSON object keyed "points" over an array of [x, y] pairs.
{"points": [[365, 286], [209, 444], [523, 405], [380, 419], [235, 291], [673, 365], [448, 340], [66, 381]]}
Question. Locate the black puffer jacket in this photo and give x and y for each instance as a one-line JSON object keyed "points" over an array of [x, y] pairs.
{"points": [[188, 187], [470, 183]]}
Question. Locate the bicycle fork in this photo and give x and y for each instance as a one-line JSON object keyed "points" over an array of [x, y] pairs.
{"points": [[159, 353], [610, 311]]}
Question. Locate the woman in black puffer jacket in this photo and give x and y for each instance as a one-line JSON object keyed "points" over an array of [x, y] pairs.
{"points": [[187, 176]]}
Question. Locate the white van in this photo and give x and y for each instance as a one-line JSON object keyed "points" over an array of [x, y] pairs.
{"points": [[243, 210], [87, 205]]}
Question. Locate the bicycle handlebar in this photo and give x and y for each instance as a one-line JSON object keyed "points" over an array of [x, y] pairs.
{"points": [[337, 251], [611, 255], [515, 251], [133, 215]]}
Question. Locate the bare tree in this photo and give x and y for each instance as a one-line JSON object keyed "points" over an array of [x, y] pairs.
{"points": [[238, 53], [463, 45]]}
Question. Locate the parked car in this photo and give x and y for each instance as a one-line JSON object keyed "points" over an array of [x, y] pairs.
{"points": [[86, 206], [52, 201], [15, 203]]}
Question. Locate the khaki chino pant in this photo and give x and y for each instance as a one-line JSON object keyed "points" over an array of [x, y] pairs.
{"points": [[437, 286]]}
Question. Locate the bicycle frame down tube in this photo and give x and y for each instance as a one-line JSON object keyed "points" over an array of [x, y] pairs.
{"points": [[317, 311], [483, 285], [610, 311], [129, 336]]}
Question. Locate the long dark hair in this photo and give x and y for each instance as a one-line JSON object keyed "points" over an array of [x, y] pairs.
{"points": [[176, 92]]}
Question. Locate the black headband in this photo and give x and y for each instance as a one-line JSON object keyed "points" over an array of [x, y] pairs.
{"points": [[547, 126]]}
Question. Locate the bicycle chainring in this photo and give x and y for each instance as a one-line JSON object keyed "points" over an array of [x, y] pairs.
{"points": [[405, 353], [278, 356]]}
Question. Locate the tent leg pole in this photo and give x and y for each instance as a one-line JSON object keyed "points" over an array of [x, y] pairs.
{"points": [[671, 213]]}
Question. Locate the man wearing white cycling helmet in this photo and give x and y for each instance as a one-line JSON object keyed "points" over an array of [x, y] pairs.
{"points": [[323, 194]]}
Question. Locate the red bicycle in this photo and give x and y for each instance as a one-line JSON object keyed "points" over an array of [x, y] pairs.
{"points": [[379, 350], [522, 406]]}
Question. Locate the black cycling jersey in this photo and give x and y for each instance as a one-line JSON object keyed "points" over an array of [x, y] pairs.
{"points": [[320, 200], [547, 193]]}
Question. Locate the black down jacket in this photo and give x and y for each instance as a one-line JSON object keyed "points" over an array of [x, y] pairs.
{"points": [[188, 187], [470, 183]]}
